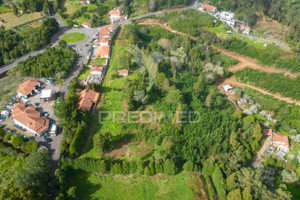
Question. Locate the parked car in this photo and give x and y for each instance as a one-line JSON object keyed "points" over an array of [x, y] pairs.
{"points": [[36, 104], [1, 119], [46, 135], [45, 114], [48, 139]]}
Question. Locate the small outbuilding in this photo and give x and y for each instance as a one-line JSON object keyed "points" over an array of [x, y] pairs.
{"points": [[227, 87]]}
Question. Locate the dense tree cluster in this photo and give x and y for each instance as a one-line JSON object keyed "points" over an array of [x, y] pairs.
{"points": [[276, 83], [73, 121], [55, 62], [219, 144], [15, 43]]}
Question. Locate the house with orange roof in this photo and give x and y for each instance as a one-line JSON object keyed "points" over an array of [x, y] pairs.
{"points": [[30, 119], [279, 141], [209, 8], [87, 99], [245, 29], [115, 15], [123, 72], [104, 41], [86, 25], [103, 52], [27, 88]]}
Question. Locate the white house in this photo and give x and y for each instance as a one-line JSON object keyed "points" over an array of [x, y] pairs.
{"points": [[115, 15], [230, 23], [30, 119], [27, 88], [227, 16]]}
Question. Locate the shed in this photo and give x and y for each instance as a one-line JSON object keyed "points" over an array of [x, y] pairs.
{"points": [[227, 87], [46, 94]]}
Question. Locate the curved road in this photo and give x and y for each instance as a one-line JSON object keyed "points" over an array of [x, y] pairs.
{"points": [[82, 51]]}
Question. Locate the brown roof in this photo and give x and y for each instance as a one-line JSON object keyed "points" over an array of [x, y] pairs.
{"points": [[268, 132], [247, 27], [115, 12], [103, 51], [30, 117], [123, 71], [281, 138], [208, 7], [87, 98], [27, 87]]}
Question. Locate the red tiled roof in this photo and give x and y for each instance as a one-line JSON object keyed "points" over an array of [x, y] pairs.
{"points": [[123, 71], [115, 12], [281, 138], [247, 28], [30, 117], [104, 40], [87, 98], [102, 51], [86, 24], [27, 87], [208, 7], [268, 132]]}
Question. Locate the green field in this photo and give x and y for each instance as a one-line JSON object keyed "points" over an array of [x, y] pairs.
{"points": [[73, 37], [133, 187]]}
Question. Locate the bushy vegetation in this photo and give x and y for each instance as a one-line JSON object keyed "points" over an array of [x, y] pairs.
{"points": [[275, 83], [55, 62], [15, 43], [222, 142], [23, 176]]}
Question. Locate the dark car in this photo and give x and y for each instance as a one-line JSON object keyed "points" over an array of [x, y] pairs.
{"points": [[36, 104], [48, 139], [2, 125]]}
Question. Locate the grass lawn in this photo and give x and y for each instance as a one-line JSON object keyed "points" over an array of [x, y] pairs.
{"points": [[113, 93], [98, 61], [132, 187], [73, 37], [8, 88], [9, 167], [84, 74], [10, 20]]}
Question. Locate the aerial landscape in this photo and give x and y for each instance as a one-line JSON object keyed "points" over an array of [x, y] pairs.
{"points": [[149, 100]]}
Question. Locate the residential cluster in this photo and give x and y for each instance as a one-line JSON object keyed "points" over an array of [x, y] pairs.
{"points": [[30, 108], [87, 99], [226, 17], [279, 143]]}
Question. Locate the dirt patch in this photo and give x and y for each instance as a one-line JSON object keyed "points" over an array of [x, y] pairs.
{"points": [[252, 63], [273, 28], [232, 81]]}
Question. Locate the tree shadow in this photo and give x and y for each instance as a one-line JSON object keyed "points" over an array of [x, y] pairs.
{"points": [[84, 187]]}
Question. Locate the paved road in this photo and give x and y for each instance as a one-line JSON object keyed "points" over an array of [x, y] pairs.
{"points": [[82, 51]]}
